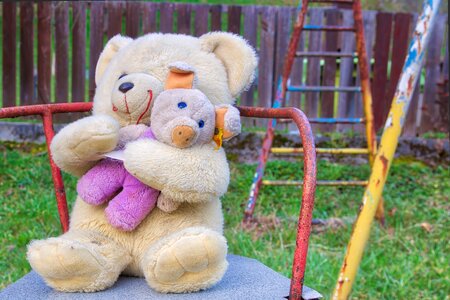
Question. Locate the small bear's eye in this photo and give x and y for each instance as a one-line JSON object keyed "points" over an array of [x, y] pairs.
{"points": [[201, 123], [123, 75], [182, 105]]}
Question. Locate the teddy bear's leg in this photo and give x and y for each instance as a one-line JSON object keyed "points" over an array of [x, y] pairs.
{"points": [[78, 261], [186, 261], [131, 205], [101, 182]]}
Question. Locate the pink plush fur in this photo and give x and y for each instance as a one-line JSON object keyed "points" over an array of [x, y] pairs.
{"points": [[131, 200]]}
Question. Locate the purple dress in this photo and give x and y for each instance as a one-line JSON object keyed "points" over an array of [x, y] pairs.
{"points": [[130, 200]]}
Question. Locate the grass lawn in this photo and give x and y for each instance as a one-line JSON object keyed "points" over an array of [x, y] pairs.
{"points": [[406, 260]]}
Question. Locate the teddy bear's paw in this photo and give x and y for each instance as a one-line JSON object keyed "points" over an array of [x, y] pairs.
{"points": [[70, 266], [189, 261]]}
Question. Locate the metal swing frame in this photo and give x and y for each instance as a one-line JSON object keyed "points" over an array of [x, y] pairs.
{"points": [[46, 111]]}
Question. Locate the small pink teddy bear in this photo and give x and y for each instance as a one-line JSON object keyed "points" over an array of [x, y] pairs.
{"points": [[181, 117]]}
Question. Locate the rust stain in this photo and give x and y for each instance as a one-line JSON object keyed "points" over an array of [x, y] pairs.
{"points": [[385, 162]]}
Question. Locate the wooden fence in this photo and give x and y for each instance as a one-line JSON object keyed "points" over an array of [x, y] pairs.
{"points": [[70, 37]]}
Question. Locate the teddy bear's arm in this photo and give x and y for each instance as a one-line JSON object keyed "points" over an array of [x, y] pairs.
{"points": [[77, 147], [195, 174]]}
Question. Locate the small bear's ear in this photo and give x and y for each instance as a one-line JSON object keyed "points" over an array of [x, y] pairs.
{"points": [[181, 76], [236, 54], [112, 47], [228, 121]]}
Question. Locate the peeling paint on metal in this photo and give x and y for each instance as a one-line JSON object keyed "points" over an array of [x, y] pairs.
{"points": [[386, 151]]}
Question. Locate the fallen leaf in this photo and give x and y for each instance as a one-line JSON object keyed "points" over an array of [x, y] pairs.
{"points": [[426, 226]]}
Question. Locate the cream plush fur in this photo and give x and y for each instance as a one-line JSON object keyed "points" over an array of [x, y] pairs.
{"points": [[185, 250]]}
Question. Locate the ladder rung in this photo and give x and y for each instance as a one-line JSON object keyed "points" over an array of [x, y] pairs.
{"points": [[325, 54], [321, 150], [319, 182], [327, 28], [337, 120], [348, 89]]}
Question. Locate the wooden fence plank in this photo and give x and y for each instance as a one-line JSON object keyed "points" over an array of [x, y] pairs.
{"points": [[313, 73], [61, 51], [216, 18], [399, 50], [234, 19], [96, 42], [149, 17], [133, 13], [430, 111], [410, 125], [295, 99], [442, 98], [9, 53], [250, 28], [381, 55], [266, 59], [26, 56], [184, 11], [282, 41], [166, 17], [347, 101], [329, 70], [78, 51], [44, 51], [201, 19], [114, 18]]}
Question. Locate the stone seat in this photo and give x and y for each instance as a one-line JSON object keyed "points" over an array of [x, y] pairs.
{"points": [[245, 278]]}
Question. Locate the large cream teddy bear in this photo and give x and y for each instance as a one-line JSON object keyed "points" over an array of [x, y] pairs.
{"points": [[185, 250]]}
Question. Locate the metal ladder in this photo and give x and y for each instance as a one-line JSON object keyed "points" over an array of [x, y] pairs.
{"points": [[284, 87]]}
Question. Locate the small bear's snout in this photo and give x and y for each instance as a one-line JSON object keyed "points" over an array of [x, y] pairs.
{"points": [[182, 136], [125, 87]]}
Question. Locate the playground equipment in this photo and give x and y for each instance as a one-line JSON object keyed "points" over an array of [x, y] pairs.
{"points": [[284, 87], [386, 151], [245, 268]]}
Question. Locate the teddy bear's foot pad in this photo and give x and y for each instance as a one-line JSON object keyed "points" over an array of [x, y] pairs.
{"points": [[187, 261], [245, 279], [69, 265]]}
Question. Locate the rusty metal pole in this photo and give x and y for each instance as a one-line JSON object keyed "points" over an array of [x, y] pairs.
{"points": [[309, 188], [386, 151], [46, 111], [364, 71]]}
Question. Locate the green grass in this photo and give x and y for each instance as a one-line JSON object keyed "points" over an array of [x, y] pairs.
{"points": [[402, 261]]}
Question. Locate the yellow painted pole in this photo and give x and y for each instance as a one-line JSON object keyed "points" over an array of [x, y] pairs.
{"points": [[386, 150]]}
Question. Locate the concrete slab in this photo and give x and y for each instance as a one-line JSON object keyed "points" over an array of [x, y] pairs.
{"points": [[246, 278]]}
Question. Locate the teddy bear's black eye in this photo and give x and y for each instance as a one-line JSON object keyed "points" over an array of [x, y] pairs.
{"points": [[201, 123], [182, 105], [123, 75]]}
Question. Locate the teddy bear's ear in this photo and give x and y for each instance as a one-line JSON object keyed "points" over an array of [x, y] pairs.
{"points": [[112, 47], [236, 54], [181, 76]]}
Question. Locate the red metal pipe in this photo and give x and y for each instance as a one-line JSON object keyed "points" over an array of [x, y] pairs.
{"points": [[309, 183], [309, 187], [46, 111], [61, 200]]}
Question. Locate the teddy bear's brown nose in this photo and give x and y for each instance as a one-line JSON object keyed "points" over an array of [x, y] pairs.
{"points": [[182, 136], [125, 87]]}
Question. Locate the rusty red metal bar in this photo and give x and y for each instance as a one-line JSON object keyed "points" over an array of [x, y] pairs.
{"points": [[46, 111], [309, 187]]}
